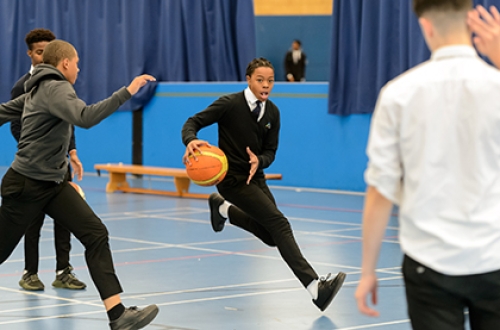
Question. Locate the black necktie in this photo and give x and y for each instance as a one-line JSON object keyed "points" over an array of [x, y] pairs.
{"points": [[256, 110]]}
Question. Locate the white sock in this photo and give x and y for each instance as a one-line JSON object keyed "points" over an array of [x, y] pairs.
{"points": [[313, 289], [224, 209]]}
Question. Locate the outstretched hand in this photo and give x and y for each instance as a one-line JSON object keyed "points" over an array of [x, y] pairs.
{"points": [[191, 148], [486, 27], [139, 82], [254, 164]]}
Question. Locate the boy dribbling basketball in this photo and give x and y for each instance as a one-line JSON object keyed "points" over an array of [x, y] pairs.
{"points": [[249, 125]]}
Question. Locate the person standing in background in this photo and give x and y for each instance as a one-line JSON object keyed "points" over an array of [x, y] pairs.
{"points": [[295, 63]]}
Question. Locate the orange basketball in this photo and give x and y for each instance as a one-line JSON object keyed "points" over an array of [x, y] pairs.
{"points": [[77, 188], [211, 167]]}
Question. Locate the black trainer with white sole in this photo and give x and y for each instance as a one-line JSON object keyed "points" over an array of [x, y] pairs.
{"points": [[135, 318], [327, 290], [218, 221]]}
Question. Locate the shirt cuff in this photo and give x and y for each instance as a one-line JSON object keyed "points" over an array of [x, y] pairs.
{"points": [[389, 186]]}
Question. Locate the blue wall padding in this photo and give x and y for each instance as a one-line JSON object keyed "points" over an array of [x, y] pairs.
{"points": [[316, 150]]}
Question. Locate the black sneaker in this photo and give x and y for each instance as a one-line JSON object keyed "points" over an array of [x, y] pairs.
{"points": [[327, 289], [214, 201], [134, 318], [31, 282], [68, 280]]}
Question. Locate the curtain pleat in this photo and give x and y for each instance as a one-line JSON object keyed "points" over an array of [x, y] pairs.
{"points": [[373, 41]]}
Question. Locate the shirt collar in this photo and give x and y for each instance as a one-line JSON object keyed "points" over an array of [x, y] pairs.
{"points": [[31, 69], [454, 51], [251, 98]]}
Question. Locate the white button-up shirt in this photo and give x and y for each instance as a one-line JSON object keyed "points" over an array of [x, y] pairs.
{"points": [[434, 148], [252, 102]]}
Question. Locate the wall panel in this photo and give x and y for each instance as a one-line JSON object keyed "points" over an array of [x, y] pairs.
{"points": [[293, 7]]}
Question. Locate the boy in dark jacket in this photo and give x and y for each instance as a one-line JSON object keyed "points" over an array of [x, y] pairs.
{"points": [[36, 40], [249, 125]]}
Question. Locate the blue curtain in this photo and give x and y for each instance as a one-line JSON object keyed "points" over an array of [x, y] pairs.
{"points": [[372, 42], [116, 40]]}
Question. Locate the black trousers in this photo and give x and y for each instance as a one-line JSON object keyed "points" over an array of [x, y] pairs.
{"points": [[62, 242], [254, 210], [438, 301], [23, 199]]}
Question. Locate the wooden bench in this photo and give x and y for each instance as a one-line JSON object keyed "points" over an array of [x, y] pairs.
{"points": [[118, 181]]}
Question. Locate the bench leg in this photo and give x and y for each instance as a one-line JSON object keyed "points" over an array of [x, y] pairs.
{"points": [[182, 185], [116, 181]]}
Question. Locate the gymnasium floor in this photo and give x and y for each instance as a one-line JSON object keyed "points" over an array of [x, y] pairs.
{"points": [[166, 253]]}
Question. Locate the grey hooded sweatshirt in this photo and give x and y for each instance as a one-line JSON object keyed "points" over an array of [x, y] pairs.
{"points": [[48, 109]]}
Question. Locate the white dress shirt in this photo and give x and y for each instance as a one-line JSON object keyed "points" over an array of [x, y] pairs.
{"points": [[252, 102], [296, 55], [434, 148]]}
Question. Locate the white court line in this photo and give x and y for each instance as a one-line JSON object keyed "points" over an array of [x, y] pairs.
{"points": [[192, 210], [48, 296], [37, 308], [179, 302], [170, 209], [248, 284], [70, 315], [309, 220], [333, 222], [218, 251], [192, 246], [118, 218], [326, 232], [188, 301], [149, 213], [319, 233], [226, 252], [188, 246], [327, 222], [376, 325], [205, 222], [339, 236], [318, 190], [158, 245]]}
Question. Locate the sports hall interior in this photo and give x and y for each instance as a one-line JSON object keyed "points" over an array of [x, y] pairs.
{"points": [[164, 249]]}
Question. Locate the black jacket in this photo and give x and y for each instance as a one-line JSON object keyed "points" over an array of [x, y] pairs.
{"points": [[297, 70], [237, 130]]}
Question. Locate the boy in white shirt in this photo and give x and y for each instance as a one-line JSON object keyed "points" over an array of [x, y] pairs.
{"points": [[434, 149]]}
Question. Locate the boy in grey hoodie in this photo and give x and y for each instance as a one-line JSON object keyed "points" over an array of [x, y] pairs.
{"points": [[36, 181]]}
